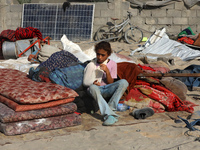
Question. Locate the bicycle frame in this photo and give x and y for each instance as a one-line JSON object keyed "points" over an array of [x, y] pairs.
{"points": [[122, 25]]}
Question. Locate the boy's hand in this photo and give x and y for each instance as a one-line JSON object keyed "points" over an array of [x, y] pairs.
{"points": [[96, 83], [103, 67]]}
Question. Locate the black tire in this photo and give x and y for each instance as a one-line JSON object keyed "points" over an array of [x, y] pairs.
{"points": [[104, 33], [133, 35]]}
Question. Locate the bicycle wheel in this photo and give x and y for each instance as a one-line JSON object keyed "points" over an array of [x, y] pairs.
{"points": [[133, 35], [104, 33]]}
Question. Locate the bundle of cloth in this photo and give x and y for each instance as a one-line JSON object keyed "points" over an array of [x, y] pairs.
{"points": [[18, 34], [29, 106], [187, 36], [165, 94]]}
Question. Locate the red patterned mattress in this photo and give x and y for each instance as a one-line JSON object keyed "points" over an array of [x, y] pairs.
{"points": [[16, 86], [8, 115], [29, 106], [42, 124]]}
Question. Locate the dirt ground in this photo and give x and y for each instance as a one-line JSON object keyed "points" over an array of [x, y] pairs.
{"points": [[160, 131]]}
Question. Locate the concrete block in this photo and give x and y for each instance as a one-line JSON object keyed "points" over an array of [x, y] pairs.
{"points": [[175, 29], [107, 13], [8, 2], [180, 6], [15, 2], [180, 21], [16, 23], [193, 21], [189, 13], [16, 8], [146, 13], [11, 27], [159, 13], [8, 22], [8, 16], [134, 12], [198, 28], [171, 6], [14, 15], [100, 21], [173, 13], [125, 5], [101, 6], [111, 6], [97, 13], [198, 13], [151, 20], [138, 21], [111, 1], [164, 20]]}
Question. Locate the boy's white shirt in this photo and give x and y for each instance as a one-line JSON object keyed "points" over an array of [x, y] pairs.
{"points": [[93, 72]]}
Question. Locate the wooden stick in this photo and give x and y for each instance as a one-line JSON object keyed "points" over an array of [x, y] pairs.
{"points": [[169, 75]]}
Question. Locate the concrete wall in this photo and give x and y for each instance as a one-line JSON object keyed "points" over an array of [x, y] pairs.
{"points": [[174, 17]]}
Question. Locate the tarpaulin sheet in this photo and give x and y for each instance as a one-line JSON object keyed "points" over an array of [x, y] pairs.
{"points": [[160, 44]]}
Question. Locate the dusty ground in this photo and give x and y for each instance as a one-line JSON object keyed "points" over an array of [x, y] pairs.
{"points": [[157, 132]]}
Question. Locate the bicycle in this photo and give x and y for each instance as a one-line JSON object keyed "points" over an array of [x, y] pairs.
{"points": [[115, 31]]}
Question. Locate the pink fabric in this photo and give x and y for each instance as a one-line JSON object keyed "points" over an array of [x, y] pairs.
{"points": [[112, 66], [16, 86]]}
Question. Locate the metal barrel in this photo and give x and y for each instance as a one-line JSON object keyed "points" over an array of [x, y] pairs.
{"points": [[9, 50]]}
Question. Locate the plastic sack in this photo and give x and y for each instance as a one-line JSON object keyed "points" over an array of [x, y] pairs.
{"points": [[74, 49]]}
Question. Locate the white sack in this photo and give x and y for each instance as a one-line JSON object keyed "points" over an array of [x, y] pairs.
{"points": [[74, 49]]}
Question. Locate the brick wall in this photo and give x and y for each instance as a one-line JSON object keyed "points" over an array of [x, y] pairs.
{"points": [[174, 17]]}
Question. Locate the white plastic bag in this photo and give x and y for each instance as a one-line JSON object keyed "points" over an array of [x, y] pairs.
{"points": [[74, 49]]}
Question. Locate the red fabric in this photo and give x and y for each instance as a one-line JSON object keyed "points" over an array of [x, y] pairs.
{"points": [[136, 99], [21, 107], [186, 40], [16, 86], [29, 32], [153, 68], [167, 98], [128, 71], [146, 67]]}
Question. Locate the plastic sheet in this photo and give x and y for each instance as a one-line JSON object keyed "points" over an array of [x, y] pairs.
{"points": [[162, 45]]}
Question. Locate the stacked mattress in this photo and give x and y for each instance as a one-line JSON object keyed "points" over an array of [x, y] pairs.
{"points": [[28, 106]]}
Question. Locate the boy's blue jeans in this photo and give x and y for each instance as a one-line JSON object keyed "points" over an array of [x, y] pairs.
{"points": [[114, 91]]}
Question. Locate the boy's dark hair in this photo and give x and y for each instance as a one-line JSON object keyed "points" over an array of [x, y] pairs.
{"points": [[103, 45]]}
